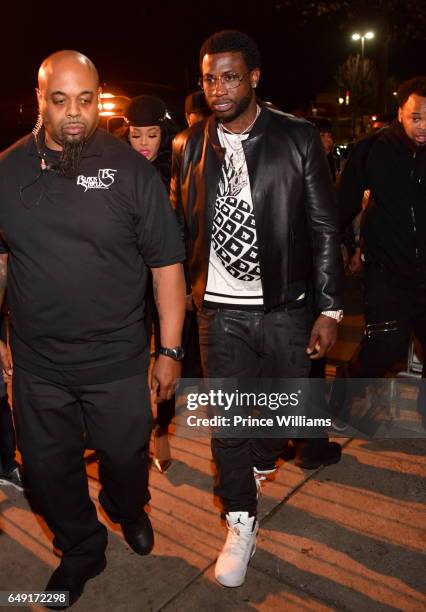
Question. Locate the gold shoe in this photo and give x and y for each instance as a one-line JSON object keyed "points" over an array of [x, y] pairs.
{"points": [[162, 465], [162, 453]]}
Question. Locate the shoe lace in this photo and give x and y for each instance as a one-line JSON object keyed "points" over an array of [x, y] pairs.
{"points": [[258, 478], [16, 474]]}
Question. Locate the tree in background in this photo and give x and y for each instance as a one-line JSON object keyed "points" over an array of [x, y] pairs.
{"points": [[360, 78], [396, 22]]}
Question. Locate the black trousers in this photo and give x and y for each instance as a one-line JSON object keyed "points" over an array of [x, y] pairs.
{"points": [[393, 311], [250, 345], [388, 301], [55, 424]]}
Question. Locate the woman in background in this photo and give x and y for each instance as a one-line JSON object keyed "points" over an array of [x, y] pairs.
{"points": [[150, 132]]}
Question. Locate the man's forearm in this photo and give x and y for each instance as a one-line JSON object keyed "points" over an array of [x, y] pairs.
{"points": [[169, 295]]}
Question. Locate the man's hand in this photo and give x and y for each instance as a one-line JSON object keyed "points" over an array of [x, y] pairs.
{"points": [[164, 375], [345, 255], [356, 264], [323, 336], [6, 362]]}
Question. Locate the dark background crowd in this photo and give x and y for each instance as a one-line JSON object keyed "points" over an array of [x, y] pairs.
{"points": [[153, 48]]}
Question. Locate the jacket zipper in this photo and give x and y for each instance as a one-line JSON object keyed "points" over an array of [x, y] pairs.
{"points": [[413, 216]]}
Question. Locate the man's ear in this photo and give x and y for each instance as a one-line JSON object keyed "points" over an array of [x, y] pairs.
{"points": [[399, 115], [254, 77], [39, 97]]}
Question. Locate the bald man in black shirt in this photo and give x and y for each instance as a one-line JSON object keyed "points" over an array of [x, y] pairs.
{"points": [[82, 217]]}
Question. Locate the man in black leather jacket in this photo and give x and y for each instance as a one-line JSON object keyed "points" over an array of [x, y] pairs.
{"points": [[253, 190], [392, 165]]}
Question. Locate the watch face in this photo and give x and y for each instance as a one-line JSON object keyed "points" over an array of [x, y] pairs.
{"points": [[179, 353], [176, 353]]}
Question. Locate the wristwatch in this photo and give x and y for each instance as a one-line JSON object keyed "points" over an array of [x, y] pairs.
{"points": [[334, 314], [177, 353]]}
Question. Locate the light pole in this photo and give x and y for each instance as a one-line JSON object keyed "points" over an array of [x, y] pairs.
{"points": [[362, 37]]}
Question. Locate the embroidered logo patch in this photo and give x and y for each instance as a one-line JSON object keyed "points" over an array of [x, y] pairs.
{"points": [[104, 180]]}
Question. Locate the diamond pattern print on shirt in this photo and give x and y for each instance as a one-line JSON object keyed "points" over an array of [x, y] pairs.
{"points": [[234, 237]]}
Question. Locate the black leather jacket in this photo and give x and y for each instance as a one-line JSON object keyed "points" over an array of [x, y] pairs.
{"points": [[393, 226], [294, 205]]}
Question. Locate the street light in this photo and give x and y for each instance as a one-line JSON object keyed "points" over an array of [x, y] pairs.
{"points": [[362, 38]]}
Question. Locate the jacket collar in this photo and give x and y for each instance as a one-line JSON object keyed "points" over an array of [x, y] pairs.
{"points": [[256, 131]]}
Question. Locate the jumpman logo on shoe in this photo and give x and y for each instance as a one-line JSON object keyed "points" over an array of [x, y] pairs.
{"points": [[238, 522]]}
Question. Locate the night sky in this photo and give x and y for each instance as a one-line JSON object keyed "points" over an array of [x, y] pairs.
{"points": [[159, 42]]}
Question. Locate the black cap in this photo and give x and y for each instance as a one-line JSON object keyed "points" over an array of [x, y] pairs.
{"points": [[145, 110]]}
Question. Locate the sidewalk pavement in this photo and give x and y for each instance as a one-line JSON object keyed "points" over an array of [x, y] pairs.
{"points": [[345, 537]]}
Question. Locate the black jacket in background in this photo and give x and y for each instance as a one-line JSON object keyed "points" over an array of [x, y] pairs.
{"points": [[294, 207], [394, 225], [163, 165]]}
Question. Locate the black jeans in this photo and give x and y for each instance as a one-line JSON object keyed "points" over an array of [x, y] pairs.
{"points": [[241, 344], [54, 425], [393, 311], [387, 300]]}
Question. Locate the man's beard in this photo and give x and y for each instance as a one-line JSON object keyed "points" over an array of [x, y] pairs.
{"points": [[69, 160], [242, 106]]}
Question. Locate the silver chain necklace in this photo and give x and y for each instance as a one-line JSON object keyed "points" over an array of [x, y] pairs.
{"points": [[237, 158]]}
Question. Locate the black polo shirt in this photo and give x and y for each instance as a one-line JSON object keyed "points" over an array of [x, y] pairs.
{"points": [[79, 251]]}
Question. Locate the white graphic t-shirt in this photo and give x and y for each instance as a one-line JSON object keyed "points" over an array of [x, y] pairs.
{"points": [[234, 272]]}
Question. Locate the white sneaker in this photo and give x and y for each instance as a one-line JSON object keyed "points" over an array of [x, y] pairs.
{"points": [[240, 546]]}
